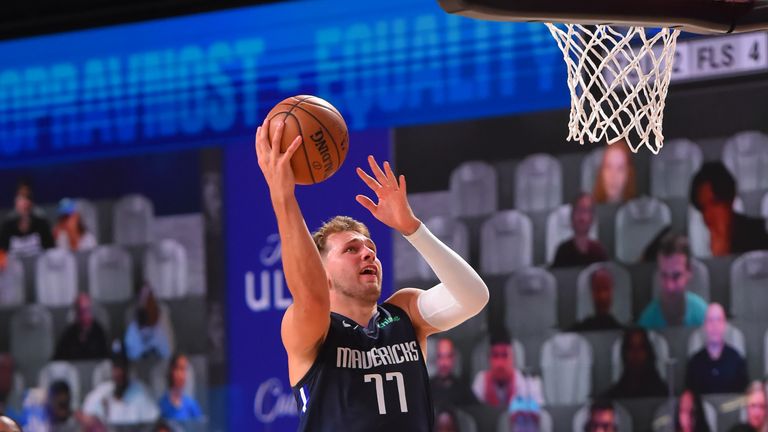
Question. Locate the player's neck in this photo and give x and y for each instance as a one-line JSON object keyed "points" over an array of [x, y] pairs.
{"points": [[355, 309]]}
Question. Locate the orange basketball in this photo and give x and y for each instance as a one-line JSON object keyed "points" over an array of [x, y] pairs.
{"points": [[325, 140]]}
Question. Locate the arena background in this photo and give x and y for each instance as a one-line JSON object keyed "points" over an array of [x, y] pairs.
{"points": [[167, 109]]}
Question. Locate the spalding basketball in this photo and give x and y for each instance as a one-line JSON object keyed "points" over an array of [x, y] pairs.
{"points": [[325, 140], [8, 425]]}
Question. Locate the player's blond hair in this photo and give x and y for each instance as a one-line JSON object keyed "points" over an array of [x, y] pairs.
{"points": [[336, 225]]}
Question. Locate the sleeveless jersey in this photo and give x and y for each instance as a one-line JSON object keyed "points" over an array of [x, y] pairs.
{"points": [[367, 379]]}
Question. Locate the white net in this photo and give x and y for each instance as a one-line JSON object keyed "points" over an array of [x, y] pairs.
{"points": [[618, 78]]}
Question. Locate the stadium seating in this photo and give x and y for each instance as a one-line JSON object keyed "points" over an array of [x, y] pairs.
{"points": [[56, 278], [133, 218], [531, 300], [12, 284], [110, 274], [673, 169], [166, 269], [638, 222], [566, 367], [749, 280], [473, 187], [746, 156], [538, 184], [506, 243]]}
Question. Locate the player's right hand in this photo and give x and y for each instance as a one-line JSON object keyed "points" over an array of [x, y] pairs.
{"points": [[274, 164]]}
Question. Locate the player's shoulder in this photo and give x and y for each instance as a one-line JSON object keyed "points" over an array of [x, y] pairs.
{"points": [[392, 309], [403, 297]]}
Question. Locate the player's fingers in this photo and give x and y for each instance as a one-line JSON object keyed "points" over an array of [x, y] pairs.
{"points": [[380, 176], [366, 202], [264, 132], [292, 148], [263, 138], [265, 125], [390, 175], [277, 137], [402, 185], [370, 181], [262, 143], [262, 149]]}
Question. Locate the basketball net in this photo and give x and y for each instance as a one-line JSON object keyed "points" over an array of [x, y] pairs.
{"points": [[618, 78]]}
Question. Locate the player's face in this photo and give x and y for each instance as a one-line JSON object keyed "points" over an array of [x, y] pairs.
{"points": [[674, 274], [352, 265]]}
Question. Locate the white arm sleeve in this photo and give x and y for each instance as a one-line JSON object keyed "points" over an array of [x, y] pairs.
{"points": [[461, 293]]}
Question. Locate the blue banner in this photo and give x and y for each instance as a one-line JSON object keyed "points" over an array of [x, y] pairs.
{"points": [[208, 79], [260, 395]]}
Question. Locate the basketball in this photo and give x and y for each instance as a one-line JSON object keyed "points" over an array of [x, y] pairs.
{"points": [[325, 140], [8, 425]]}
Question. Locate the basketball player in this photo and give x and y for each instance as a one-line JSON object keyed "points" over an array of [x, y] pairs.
{"points": [[355, 365]]}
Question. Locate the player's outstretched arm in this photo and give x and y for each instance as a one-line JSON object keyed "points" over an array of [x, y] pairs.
{"points": [[306, 321], [461, 293]]}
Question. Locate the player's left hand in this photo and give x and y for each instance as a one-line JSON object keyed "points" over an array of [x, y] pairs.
{"points": [[392, 207]]}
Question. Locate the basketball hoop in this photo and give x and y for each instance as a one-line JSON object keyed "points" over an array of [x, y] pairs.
{"points": [[619, 54], [618, 78]]}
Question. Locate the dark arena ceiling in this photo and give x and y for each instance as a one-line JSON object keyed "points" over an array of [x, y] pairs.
{"points": [[21, 18]]}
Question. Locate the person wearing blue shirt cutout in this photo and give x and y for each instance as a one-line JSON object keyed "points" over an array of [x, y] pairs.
{"points": [[675, 306], [146, 336], [175, 404]]}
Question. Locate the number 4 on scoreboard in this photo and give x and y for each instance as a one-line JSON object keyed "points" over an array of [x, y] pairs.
{"points": [[754, 52]]}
